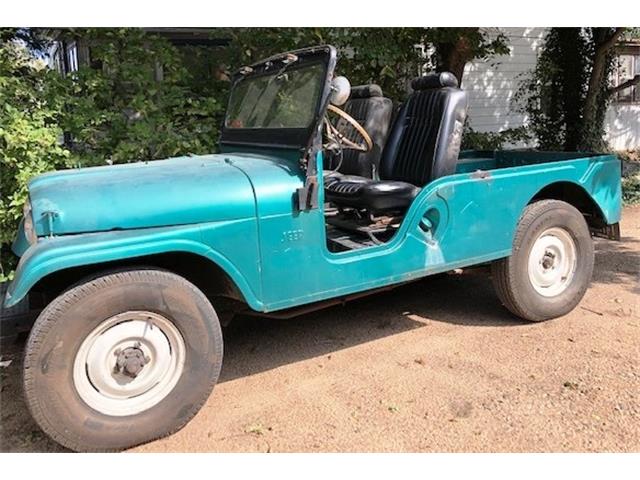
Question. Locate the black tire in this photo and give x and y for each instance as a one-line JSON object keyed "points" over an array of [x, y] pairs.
{"points": [[57, 334], [511, 274]]}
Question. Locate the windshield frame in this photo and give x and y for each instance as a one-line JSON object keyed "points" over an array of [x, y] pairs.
{"points": [[298, 137]]}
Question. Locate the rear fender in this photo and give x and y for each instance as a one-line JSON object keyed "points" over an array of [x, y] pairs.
{"points": [[471, 216]]}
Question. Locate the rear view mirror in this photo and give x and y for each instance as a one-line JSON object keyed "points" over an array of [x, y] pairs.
{"points": [[340, 90]]}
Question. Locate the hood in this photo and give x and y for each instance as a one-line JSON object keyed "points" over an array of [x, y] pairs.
{"points": [[177, 191]]}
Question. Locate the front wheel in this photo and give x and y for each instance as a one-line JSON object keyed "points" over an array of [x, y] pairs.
{"points": [[551, 263], [122, 359]]}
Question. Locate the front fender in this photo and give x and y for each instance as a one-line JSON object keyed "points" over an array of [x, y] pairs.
{"points": [[50, 255]]}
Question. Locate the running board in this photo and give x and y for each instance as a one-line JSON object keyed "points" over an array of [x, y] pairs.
{"points": [[312, 307]]}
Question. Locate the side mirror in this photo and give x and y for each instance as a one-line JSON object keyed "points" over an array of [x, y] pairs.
{"points": [[340, 91]]}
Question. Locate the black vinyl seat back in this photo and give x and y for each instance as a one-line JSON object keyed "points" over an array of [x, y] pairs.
{"points": [[373, 111], [423, 145], [425, 139]]}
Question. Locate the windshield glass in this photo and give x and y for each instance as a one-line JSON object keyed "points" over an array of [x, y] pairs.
{"points": [[287, 98]]}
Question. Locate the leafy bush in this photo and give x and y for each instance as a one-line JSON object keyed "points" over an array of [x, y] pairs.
{"points": [[115, 111], [630, 176], [473, 140], [631, 189], [390, 61], [137, 102], [567, 94], [29, 135]]}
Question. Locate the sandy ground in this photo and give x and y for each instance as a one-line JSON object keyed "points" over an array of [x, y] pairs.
{"points": [[437, 365]]}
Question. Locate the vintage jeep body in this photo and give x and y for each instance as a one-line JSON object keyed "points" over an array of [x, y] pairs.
{"points": [[139, 263]]}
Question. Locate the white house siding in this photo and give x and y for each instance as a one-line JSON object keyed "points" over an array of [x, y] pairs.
{"points": [[623, 126], [492, 84]]}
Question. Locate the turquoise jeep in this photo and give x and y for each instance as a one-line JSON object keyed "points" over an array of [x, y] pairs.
{"points": [[320, 193]]}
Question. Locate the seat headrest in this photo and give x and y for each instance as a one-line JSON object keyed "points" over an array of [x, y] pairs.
{"points": [[434, 80], [366, 91]]}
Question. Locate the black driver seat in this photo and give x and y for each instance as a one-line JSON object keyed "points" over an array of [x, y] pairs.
{"points": [[373, 111], [423, 145]]}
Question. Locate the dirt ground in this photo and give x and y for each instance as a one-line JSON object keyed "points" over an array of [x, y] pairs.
{"points": [[437, 365]]}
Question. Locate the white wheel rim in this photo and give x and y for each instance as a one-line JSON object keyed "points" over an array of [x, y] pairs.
{"points": [[552, 262], [129, 363]]}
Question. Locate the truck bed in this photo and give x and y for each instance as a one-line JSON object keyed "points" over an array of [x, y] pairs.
{"points": [[473, 160]]}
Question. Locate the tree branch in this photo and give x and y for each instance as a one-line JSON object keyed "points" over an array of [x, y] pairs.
{"points": [[610, 42], [598, 71], [629, 83]]}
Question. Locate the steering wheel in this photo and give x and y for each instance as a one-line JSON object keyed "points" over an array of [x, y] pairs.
{"points": [[332, 132]]}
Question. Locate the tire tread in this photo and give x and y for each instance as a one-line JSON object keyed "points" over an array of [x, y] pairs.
{"points": [[504, 271], [50, 315]]}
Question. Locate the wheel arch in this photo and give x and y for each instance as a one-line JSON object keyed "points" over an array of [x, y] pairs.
{"points": [[204, 273], [44, 274], [574, 194]]}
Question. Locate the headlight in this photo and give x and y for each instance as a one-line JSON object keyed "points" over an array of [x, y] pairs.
{"points": [[29, 231]]}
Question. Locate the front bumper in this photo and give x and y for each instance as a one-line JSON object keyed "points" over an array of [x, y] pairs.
{"points": [[20, 244], [15, 320]]}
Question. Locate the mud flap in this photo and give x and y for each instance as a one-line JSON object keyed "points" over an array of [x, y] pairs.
{"points": [[611, 232]]}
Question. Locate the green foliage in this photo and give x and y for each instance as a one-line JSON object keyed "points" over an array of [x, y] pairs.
{"points": [[386, 56], [552, 96], [122, 112], [631, 189], [29, 136], [556, 94], [390, 57], [473, 140], [391, 60], [630, 176], [596, 105], [455, 46]]}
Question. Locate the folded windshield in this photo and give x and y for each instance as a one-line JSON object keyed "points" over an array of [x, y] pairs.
{"points": [[285, 98]]}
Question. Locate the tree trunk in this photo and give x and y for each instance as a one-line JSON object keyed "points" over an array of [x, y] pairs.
{"points": [[604, 40], [571, 62], [454, 56]]}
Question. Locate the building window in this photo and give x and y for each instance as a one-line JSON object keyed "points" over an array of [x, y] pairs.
{"points": [[628, 68], [72, 56], [57, 62]]}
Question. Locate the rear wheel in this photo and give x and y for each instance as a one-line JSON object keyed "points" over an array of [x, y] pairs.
{"points": [[551, 263], [122, 359]]}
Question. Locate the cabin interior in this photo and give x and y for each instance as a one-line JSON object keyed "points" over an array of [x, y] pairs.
{"points": [[367, 193]]}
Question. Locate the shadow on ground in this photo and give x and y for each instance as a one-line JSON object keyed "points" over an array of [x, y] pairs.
{"points": [[618, 263], [254, 345]]}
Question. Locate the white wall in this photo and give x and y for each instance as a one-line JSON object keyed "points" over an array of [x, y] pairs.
{"points": [[623, 126], [492, 84]]}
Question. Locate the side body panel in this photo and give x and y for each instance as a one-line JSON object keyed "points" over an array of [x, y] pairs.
{"points": [[278, 257], [473, 217]]}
